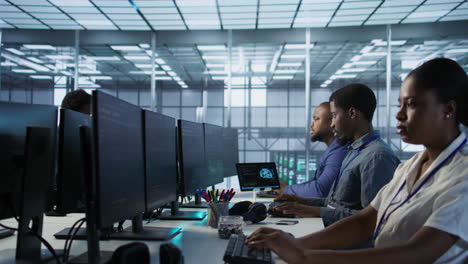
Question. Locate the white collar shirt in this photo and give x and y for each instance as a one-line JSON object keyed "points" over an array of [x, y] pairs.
{"points": [[441, 203]]}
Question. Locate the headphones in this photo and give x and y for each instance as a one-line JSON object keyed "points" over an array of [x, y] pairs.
{"points": [[251, 212]]}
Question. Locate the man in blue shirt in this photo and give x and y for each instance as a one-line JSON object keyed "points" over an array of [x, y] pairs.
{"points": [[329, 165], [367, 167]]}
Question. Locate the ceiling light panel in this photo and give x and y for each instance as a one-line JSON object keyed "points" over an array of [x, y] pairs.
{"points": [[124, 17], [459, 12], [30, 2], [163, 16], [159, 10], [197, 9], [277, 20], [439, 7], [277, 8], [53, 22], [398, 16], [345, 23], [274, 25], [402, 3], [40, 9], [237, 9], [119, 10], [21, 20], [239, 21], [429, 2], [427, 14], [10, 9], [14, 15], [146, 3], [251, 15], [130, 23], [76, 9], [50, 15], [395, 9], [362, 4], [347, 12], [349, 18], [276, 15], [382, 21], [60, 27], [107, 3], [81, 3], [318, 6], [420, 20], [252, 26]]}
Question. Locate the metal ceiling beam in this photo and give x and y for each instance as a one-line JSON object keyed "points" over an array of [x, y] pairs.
{"points": [[181, 37]]}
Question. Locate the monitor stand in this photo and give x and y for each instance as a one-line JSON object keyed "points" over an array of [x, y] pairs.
{"points": [[198, 203], [175, 214], [6, 233], [135, 232]]}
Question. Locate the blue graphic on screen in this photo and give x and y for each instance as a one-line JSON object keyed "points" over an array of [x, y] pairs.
{"points": [[266, 173]]}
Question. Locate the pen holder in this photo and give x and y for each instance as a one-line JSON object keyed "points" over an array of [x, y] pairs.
{"points": [[215, 211]]}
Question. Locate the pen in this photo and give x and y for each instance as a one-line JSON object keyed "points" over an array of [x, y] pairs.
{"points": [[231, 196]]}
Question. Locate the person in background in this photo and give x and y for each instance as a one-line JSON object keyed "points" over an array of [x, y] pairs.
{"points": [[420, 216], [367, 167], [329, 165], [78, 100]]}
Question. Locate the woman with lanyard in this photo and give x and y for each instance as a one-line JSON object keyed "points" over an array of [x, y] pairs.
{"points": [[421, 215]]}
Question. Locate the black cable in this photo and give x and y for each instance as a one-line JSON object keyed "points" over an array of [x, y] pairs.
{"points": [[76, 227], [48, 246], [9, 228], [67, 240]]}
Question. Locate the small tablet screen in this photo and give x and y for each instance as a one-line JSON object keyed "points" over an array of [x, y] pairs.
{"points": [[257, 175]]}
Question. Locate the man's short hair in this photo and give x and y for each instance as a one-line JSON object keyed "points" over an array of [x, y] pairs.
{"points": [[358, 96], [76, 100]]}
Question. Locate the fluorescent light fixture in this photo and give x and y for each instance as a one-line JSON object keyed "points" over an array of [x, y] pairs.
{"points": [[275, 60], [457, 51], [328, 81], [177, 78], [289, 64], [259, 67], [144, 46], [217, 72], [343, 76], [15, 51], [94, 78], [374, 54], [379, 42], [38, 47], [144, 66], [286, 77], [323, 85], [66, 73], [214, 57], [286, 71], [166, 67], [136, 58], [164, 78], [171, 73], [354, 70], [211, 47], [84, 71], [211, 65], [293, 56], [59, 57], [297, 46], [364, 62], [160, 61], [367, 49], [409, 64], [218, 77], [35, 59], [23, 71], [356, 58], [125, 48], [148, 72], [41, 77], [24, 62], [339, 72], [104, 58], [347, 65], [8, 64]]}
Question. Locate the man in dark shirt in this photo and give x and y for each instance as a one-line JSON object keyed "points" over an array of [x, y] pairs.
{"points": [[329, 165], [78, 100], [367, 167]]}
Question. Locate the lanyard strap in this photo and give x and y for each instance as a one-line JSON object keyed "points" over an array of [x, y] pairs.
{"points": [[352, 158], [385, 217]]}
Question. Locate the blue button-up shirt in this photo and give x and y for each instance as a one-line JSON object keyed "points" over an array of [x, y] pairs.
{"points": [[327, 170], [360, 180]]}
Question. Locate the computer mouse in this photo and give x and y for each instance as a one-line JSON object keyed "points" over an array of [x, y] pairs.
{"points": [[276, 213]]}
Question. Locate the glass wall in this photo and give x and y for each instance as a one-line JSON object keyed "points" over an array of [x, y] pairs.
{"points": [[267, 95]]}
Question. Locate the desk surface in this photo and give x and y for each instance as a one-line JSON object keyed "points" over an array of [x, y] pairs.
{"points": [[198, 241]]}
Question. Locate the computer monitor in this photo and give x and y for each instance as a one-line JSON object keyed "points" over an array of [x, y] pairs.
{"points": [[214, 151], [118, 170], [14, 120], [27, 137], [231, 151], [70, 179], [257, 176], [191, 154], [118, 158], [160, 160]]}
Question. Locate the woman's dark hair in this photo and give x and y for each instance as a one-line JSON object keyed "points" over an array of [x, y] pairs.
{"points": [[76, 100], [358, 96], [447, 80]]}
